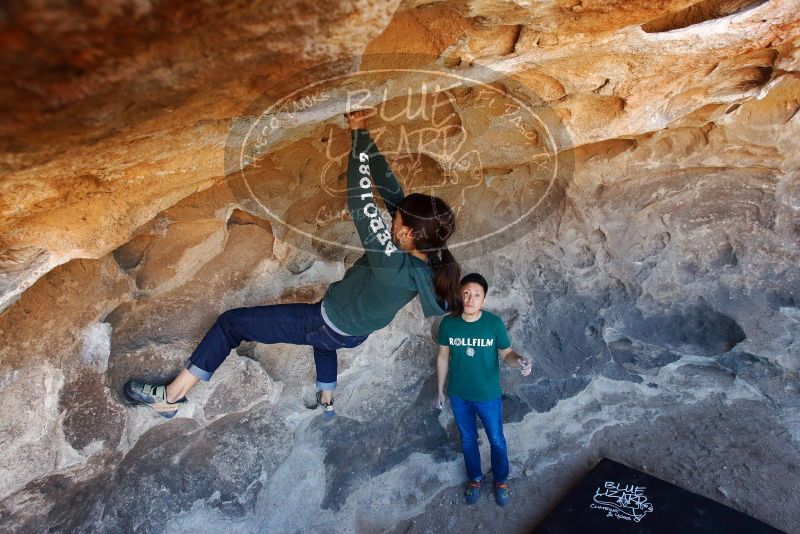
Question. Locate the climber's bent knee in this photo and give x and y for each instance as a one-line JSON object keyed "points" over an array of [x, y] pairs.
{"points": [[227, 317]]}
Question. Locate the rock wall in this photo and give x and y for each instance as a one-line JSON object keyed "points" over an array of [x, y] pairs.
{"points": [[640, 230]]}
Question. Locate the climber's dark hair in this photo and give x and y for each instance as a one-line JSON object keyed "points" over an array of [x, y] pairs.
{"points": [[476, 278], [433, 222]]}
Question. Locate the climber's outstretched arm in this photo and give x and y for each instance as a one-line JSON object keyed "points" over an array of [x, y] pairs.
{"points": [[388, 185], [386, 261], [389, 188]]}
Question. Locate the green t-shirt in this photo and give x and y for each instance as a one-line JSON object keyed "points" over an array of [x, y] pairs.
{"points": [[474, 366], [384, 278]]}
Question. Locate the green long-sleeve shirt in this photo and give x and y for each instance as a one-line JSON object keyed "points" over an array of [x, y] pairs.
{"points": [[385, 278]]}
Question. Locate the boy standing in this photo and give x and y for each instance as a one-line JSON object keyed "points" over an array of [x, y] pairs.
{"points": [[468, 349]]}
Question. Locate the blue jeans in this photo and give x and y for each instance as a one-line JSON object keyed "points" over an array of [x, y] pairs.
{"points": [[491, 414], [298, 324]]}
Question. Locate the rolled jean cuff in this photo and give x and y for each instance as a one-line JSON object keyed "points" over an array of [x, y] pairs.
{"points": [[326, 386], [202, 374]]}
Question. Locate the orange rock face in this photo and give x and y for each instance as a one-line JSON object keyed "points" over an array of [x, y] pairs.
{"points": [[627, 174]]}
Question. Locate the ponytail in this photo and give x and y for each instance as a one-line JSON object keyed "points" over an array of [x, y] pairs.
{"points": [[447, 279], [433, 223]]}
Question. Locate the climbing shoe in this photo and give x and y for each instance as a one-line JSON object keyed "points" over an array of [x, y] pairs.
{"points": [[154, 397], [473, 492], [327, 407], [501, 493]]}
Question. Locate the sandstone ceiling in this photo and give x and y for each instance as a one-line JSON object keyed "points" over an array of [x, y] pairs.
{"points": [[660, 275], [117, 111]]}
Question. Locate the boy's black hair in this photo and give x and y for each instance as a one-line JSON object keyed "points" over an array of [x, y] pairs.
{"points": [[477, 279]]}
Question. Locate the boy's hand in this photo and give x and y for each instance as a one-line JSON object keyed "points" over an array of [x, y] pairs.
{"points": [[357, 120], [525, 366], [440, 401]]}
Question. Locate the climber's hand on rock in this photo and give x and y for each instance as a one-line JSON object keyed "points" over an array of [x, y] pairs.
{"points": [[358, 119], [525, 366], [440, 401]]}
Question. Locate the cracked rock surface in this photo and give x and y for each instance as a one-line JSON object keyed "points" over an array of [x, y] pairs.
{"points": [[655, 282]]}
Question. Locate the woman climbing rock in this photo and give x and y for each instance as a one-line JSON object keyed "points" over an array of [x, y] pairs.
{"points": [[410, 258]]}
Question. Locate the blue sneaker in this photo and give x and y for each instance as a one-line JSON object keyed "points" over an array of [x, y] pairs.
{"points": [[501, 493], [327, 407], [153, 396], [473, 492]]}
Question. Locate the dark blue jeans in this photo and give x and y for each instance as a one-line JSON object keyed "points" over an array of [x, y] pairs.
{"points": [[491, 414], [299, 324]]}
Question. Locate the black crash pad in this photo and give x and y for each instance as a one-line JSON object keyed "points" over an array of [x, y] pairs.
{"points": [[614, 498]]}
